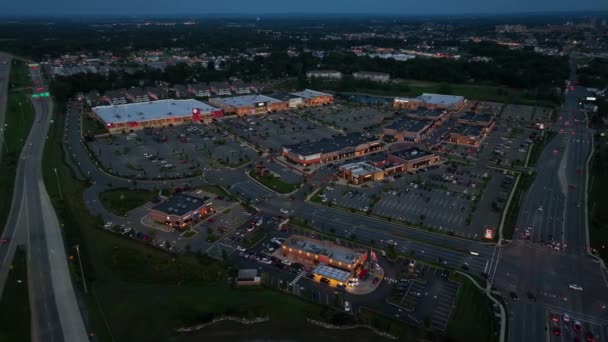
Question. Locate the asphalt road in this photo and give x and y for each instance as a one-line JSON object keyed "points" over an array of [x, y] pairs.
{"points": [[32, 221], [554, 211]]}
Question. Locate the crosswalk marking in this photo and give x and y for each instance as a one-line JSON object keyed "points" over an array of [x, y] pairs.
{"points": [[298, 277]]}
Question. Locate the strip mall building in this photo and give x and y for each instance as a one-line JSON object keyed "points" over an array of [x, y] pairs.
{"points": [[134, 116], [331, 149]]}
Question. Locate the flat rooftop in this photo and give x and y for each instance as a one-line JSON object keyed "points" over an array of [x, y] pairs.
{"points": [[360, 168], [477, 117], [425, 112], [181, 204], [283, 96], [440, 100], [152, 110], [246, 100], [327, 145], [308, 93], [468, 130], [323, 248], [411, 153], [332, 273], [407, 124]]}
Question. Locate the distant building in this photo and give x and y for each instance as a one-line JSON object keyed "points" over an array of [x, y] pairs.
{"points": [[314, 98], [292, 101], [332, 149], [467, 135], [220, 88], [361, 172], [410, 159], [181, 211], [476, 119], [199, 90], [157, 93], [337, 260], [115, 97], [248, 104], [241, 88], [431, 101], [134, 116], [372, 76], [407, 160], [327, 74], [179, 91], [137, 95], [407, 129], [248, 277]]}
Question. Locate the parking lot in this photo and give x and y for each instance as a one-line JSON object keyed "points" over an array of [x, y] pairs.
{"points": [[456, 198], [516, 129], [271, 132], [170, 152], [286, 174], [350, 119], [425, 292]]}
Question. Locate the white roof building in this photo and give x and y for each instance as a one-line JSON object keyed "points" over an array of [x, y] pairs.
{"points": [[146, 111], [441, 100], [246, 100]]}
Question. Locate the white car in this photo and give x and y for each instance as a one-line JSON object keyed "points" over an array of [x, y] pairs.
{"points": [[284, 211], [576, 287], [240, 249], [107, 225], [286, 262], [346, 306]]}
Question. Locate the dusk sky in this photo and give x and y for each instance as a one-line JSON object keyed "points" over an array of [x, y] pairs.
{"points": [[402, 7]]}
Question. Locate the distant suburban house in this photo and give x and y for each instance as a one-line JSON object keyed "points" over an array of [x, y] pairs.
{"points": [[372, 76], [328, 74], [137, 95]]}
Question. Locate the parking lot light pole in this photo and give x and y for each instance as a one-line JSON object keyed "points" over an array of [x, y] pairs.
{"points": [[84, 281]]}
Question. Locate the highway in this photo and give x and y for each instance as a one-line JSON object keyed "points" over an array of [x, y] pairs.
{"points": [[553, 211], [32, 221]]}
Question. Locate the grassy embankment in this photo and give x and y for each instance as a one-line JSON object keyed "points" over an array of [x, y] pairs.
{"points": [[598, 197], [19, 119], [15, 313], [473, 318], [121, 201]]}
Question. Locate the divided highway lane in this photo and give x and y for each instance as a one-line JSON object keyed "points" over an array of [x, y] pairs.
{"points": [[425, 245], [543, 271], [4, 79]]}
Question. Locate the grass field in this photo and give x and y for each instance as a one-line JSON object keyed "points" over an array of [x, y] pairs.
{"points": [[598, 197], [121, 201], [539, 146], [91, 126], [138, 293], [19, 119], [473, 318], [274, 183], [15, 313], [20, 75]]}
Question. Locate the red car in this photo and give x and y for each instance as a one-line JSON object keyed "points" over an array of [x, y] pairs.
{"points": [[557, 332], [555, 318], [211, 220], [589, 337]]}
